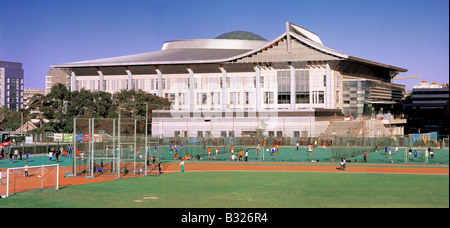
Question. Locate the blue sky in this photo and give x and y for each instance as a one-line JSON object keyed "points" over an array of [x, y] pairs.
{"points": [[412, 34]]}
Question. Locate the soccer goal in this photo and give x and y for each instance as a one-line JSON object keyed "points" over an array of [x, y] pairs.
{"points": [[32, 178]]}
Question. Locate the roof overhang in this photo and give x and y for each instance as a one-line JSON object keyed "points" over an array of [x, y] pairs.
{"points": [[209, 51]]}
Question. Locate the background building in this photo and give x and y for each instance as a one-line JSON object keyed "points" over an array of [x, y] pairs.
{"points": [[239, 82], [11, 85], [55, 76], [428, 109], [29, 93]]}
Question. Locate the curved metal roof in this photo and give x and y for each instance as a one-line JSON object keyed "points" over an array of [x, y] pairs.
{"points": [[225, 48]]}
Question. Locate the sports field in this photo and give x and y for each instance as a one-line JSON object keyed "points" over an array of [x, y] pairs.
{"points": [[272, 183], [248, 189]]}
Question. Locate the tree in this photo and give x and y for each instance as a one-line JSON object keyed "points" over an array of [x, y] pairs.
{"points": [[9, 119], [61, 106], [138, 97]]}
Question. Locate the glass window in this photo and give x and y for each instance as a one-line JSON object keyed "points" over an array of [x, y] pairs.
{"points": [[204, 98], [268, 97], [302, 97], [284, 98], [321, 97], [283, 81]]}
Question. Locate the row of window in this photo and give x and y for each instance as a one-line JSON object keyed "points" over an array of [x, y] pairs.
{"points": [[224, 134], [302, 82], [214, 98]]}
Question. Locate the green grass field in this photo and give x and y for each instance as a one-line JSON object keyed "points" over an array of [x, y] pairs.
{"points": [[247, 190]]}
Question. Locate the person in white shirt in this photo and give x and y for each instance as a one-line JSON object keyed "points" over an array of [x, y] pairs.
{"points": [[16, 152], [182, 165]]}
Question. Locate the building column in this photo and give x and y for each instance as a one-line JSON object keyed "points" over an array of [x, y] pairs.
{"points": [[258, 87], [292, 80], [191, 89], [159, 82], [100, 80], [73, 82], [130, 79], [328, 87], [224, 89]]}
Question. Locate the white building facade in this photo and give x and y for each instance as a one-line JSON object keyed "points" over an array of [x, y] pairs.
{"points": [[237, 83]]}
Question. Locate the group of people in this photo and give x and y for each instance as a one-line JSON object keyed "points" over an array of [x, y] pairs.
{"points": [[429, 152], [13, 155], [239, 156], [57, 153]]}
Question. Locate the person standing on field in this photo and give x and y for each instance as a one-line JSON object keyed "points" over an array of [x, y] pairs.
{"points": [[1, 178], [26, 170], [182, 165]]}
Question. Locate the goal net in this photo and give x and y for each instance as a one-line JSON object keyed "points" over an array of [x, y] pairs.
{"points": [[32, 178]]}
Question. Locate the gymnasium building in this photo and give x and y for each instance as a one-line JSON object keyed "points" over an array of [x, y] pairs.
{"points": [[239, 83]]}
